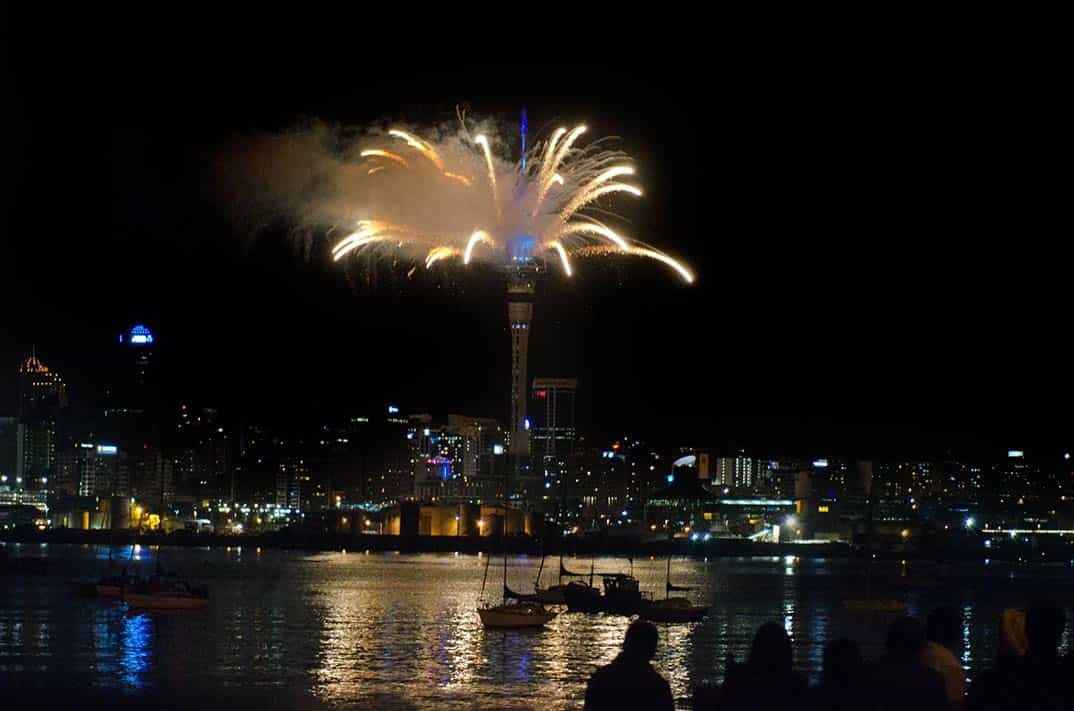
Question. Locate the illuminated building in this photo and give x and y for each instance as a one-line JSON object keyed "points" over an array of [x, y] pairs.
{"points": [[141, 344], [200, 452], [42, 395], [735, 472], [553, 416], [457, 461], [8, 430], [153, 480], [682, 506], [293, 485], [102, 470]]}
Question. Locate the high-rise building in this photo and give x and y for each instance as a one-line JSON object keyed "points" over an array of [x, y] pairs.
{"points": [[736, 472], [297, 488], [103, 471], [456, 462], [67, 472], [553, 416], [152, 482], [42, 395], [481, 438], [199, 448], [139, 345], [8, 430]]}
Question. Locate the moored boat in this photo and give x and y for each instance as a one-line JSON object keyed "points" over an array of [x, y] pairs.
{"points": [[166, 594], [520, 614], [672, 609]]}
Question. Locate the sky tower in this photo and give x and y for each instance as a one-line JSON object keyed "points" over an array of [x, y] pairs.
{"points": [[521, 283]]}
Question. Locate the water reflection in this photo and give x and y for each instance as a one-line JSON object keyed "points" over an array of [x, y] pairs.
{"points": [[136, 643], [384, 629]]}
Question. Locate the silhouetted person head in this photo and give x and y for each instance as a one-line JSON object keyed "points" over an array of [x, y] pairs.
{"points": [[905, 637], [640, 640], [842, 662], [944, 626], [1012, 633], [1045, 622], [771, 650]]}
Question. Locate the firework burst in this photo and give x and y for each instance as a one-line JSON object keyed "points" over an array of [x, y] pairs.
{"points": [[455, 200]]}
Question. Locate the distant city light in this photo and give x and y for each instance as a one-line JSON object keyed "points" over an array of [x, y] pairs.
{"points": [[1015, 453], [392, 409], [526, 423], [670, 478], [969, 522], [1066, 456], [107, 449], [820, 463], [497, 449]]}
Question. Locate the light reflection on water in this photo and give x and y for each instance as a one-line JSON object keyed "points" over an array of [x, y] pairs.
{"points": [[390, 630]]}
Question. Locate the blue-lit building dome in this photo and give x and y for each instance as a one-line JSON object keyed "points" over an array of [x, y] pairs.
{"points": [[138, 336]]}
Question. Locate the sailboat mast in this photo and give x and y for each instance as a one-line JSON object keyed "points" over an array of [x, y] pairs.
{"points": [[540, 569], [505, 553], [485, 578]]}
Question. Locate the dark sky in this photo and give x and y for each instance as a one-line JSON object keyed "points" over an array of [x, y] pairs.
{"points": [[878, 236]]}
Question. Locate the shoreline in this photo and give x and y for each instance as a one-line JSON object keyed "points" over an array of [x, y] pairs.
{"points": [[518, 545]]}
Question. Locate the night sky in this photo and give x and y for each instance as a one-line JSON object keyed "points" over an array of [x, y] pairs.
{"points": [[877, 236]]}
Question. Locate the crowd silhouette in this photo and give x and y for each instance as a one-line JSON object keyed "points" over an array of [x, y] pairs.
{"points": [[920, 669]]}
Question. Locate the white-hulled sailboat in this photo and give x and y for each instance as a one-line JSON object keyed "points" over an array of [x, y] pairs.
{"points": [[514, 610]]}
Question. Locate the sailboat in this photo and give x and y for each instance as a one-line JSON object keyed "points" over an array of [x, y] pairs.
{"points": [[581, 596], [112, 585], [515, 610], [554, 594], [621, 596], [672, 609], [165, 591]]}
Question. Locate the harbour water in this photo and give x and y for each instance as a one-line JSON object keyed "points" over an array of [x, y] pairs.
{"points": [[400, 631]]}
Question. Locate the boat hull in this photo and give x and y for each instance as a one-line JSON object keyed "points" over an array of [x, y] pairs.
{"points": [[655, 612], [506, 617], [582, 598], [149, 601]]}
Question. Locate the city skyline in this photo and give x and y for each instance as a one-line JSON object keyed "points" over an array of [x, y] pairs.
{"points": [[788, 336]]}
